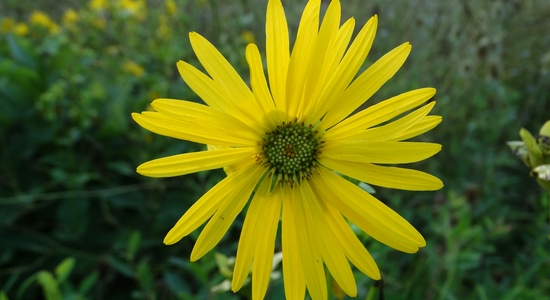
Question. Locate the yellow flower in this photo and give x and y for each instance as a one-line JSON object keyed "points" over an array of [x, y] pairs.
{"points": [[133, 68], [171, 7], [133, 8], [7, 25], [39, 18], [21, 29], [98, 4], [285, 140], [70, 17]]}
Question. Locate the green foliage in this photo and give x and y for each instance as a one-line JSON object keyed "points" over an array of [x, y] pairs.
{"points": [[77, 222]]}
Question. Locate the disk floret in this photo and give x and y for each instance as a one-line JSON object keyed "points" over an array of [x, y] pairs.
{"points": [[291, 149]]}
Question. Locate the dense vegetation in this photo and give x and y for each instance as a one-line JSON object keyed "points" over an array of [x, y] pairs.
{"points": [[77, 222]]}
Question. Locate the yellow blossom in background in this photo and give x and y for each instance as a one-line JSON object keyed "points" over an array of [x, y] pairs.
{"points": [[171, 7], [133, 68], [164, 32], [7, 25], [70, 17], [98, 4], [99, 22], [248, 37], [21, 29], [286, 139], [41, 19], [133, 8]]}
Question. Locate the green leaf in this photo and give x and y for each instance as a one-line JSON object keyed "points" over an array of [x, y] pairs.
{"points": [[144, 276], [545, 129], [3, 296], [224, 265], [88, 283], [134, 242], [64, 269], [50, 287], [122, 267], [535, 155]]}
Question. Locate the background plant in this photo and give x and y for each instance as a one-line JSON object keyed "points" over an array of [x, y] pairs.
{"points": [[77, 222]]}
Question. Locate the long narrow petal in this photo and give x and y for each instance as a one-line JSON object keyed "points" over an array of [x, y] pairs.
{"points": [[221, 70], [227, 211], [190, 131], [259, 84], [348, 67], [200, 114], [277, 51], [293, 269], [309, 248], [424, 125], [366, 84], [182, 164], [207, 205], [263, 257], [321, 58], [255, 216], [381, 112], [367, 212], [332, 252], [354, 249], [301, 57], [388, 131], [332, 59], [329, 197], [213, 94], [379, 152], [389, 177]]}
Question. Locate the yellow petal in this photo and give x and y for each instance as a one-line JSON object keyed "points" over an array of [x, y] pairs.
{"points": [[205, 207], [213, 94], [348, 67], [380, 112], [251, 230], [277, 51], [388, 131], [293, 269], [196, 131], [321, 60], [227, 211], [263, 257], [367, 212], [333, 57], [221, 70], [331, 250], [424, 125], [389, 177], [182, 164], [308, 247], [301, 56], [379, 152], [259, 84], [366, 84], [201, 114], [353, 248]]}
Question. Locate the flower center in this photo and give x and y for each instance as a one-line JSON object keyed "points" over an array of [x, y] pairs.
{"points": [[291, 149]]}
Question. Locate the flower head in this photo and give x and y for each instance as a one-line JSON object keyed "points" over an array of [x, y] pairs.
{"points": [[43, 20], [285, 138]]}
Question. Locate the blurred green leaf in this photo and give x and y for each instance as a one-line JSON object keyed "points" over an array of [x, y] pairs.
{"points": [[133, 244], [50, 286], [120, 266], [64, 269], [88, 283], [144, 276]]}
